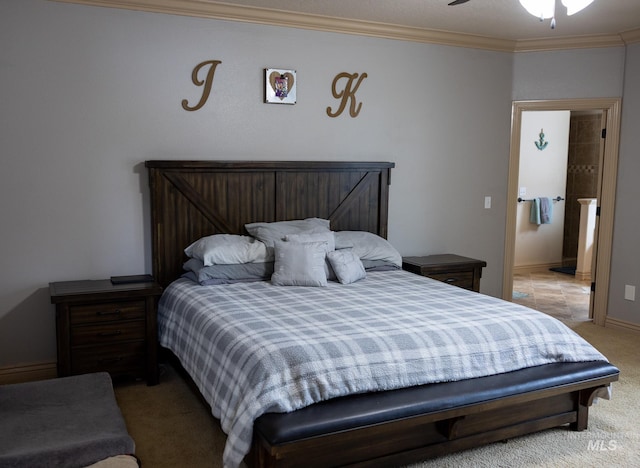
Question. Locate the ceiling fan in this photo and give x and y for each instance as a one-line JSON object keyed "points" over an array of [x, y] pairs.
{"points": [[573, 6], [544, 9]]}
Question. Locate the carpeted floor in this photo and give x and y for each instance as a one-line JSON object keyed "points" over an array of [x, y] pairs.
{"points": [[172, 427]]}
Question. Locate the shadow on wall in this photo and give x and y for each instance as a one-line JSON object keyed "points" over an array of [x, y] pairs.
{"points": [[143, 175], [28, 333]]}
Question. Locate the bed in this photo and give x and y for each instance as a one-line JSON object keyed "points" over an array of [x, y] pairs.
{"points": [[406, 415]]}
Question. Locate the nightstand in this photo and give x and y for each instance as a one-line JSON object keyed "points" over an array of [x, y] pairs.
{"points": [[452, 269], [102, 326]]}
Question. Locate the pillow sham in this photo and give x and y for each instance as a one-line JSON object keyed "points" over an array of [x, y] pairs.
{"points": [[276, 231], [347, 266], [305, 237], [368, 246], [227, 249], [379, 265], [227, 274], [299, 264], [318, 237]]}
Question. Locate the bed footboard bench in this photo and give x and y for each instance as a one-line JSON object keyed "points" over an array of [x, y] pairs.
{"points": [[412, 424]]}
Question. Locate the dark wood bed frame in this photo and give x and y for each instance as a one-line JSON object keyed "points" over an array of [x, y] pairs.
{"points": [[191, 199]]}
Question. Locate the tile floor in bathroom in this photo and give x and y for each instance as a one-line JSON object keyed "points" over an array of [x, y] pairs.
{"points": [[557, 294]]}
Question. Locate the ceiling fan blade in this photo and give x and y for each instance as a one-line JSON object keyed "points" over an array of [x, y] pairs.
{"points": [[458, 2]]}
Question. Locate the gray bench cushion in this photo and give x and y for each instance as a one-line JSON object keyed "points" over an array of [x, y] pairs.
{"points": [[66, 422]]}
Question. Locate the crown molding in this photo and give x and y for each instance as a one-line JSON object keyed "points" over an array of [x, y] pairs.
{"points": [[224, 11], [631, 37], [578, 42]]}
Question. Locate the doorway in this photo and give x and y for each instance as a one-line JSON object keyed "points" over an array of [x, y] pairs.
{"points": [[606, 199]]}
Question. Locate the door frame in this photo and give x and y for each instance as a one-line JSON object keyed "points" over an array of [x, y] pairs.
{"points": [[606, 203]]}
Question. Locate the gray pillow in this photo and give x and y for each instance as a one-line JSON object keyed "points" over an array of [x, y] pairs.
{"points": [[228, 274], [368, 246], [271, 232], [299, 264], [305, 237], [379, 265], [347, 266], [318, 237]]}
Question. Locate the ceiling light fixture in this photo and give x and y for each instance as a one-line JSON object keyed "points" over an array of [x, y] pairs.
{"points": [[544, 9]]}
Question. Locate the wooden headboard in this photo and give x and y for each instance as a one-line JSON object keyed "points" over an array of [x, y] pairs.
{"points": [[192, 199]]}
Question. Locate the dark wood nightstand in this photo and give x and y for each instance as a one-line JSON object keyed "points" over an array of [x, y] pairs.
{"points": [[102, 326], [452, 269]]}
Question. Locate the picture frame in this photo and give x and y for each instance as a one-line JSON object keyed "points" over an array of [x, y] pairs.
{"points": [[280, 86]]}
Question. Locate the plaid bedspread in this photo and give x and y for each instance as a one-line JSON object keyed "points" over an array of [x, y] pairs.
{"points": [[253, 348]]}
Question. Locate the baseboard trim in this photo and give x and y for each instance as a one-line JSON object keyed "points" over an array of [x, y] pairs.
{"points": [[611, 322], [583, 275], [28, 373]]}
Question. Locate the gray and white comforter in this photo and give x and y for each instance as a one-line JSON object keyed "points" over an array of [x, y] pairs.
{"points": [[253, 348]]}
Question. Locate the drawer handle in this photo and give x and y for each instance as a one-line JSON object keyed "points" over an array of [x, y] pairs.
{"points": [[112, 333], [110, 360], [451, 280], [111, 312]]}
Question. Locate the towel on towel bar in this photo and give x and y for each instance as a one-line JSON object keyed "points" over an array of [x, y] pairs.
{"points": [[541, 211], [546, 210]]}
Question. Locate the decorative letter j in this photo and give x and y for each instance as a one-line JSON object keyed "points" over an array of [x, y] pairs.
{"points": [[207, 83]]}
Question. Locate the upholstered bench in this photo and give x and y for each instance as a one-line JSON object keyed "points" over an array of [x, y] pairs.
{"points": [[436, 419], [67, 422]]}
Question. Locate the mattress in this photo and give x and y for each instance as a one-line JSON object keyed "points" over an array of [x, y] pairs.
{"points": [[254, 348]]}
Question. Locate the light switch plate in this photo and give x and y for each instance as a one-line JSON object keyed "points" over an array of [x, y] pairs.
{"points": [[629, 292]]}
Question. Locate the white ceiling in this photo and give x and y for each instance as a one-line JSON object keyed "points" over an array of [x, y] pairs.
{"points": [[490, 24], [500, 19]]}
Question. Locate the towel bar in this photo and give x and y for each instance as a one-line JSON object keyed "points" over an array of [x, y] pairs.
{"points": [[557, 199]]}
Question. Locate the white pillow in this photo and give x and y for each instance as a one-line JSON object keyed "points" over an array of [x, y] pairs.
{"points": [[368, 246], [347, 266], [227, 249], [299, 264]]}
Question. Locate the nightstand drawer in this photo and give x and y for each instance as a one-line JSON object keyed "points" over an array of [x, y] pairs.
{"points": [[105, 312], [116, 359], [107, 333], [456, 270], [463, 279]]}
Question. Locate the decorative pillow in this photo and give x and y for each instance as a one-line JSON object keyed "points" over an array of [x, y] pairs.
{"points": [[347, 266], [368, 246], [271, 232], [227, 249], [299, 264], [318, 237], [227, 274]]}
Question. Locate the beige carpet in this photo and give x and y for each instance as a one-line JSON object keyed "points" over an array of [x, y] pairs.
{"points": [[172, 427]]}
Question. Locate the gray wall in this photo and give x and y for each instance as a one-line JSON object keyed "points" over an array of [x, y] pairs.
{"points": [[88, 94], [568, 74], [625, 257], [593, 73]]}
